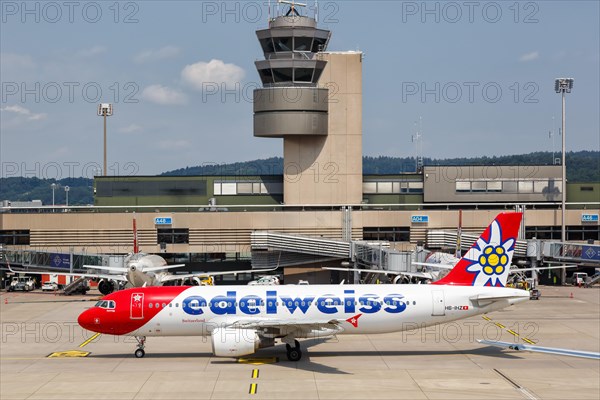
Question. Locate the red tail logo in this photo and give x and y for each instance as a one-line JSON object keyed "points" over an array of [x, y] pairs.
{"points": [[487, 263]]}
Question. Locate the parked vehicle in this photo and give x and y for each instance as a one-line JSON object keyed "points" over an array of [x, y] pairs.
{"points": [[23, 284], [49, 286], [265, 280], [579, 278]]}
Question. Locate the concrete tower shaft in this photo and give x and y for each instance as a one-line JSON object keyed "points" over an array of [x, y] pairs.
{"points": [[313, 100]]}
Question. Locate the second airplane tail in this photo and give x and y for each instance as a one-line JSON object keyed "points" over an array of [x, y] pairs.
{"points": [[487, 263]]}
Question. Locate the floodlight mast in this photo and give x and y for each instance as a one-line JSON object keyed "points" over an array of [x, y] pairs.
{"points": [[563, 86], [105, 110]]}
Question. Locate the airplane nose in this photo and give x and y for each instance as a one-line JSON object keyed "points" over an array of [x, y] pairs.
{"points": [[87, 321]]}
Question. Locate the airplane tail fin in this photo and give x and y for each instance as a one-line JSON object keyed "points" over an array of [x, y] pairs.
{"points": [[136, 248], [487, 263]]}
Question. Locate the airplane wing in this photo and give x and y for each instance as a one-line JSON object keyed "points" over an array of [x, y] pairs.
{"points": [[114, 269], [329, 327], [170, 277], [162, 267], [513, 270], [434, 265], [424, 275], [115, 277], [540, 349]]}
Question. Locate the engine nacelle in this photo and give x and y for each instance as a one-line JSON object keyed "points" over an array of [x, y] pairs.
{"points": [[234, 342], [106, 287]]}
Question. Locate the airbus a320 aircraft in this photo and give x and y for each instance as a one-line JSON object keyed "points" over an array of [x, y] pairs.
{"points": [[242, 319]]}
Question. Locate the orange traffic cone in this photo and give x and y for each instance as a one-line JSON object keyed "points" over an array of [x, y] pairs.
{"points": [[6, 300], [571, 295]]}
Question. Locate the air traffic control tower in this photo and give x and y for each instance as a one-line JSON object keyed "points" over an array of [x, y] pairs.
{"points": [[313, 100]]}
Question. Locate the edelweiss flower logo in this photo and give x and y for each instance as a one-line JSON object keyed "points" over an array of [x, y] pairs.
{"points": [[490, 257]]}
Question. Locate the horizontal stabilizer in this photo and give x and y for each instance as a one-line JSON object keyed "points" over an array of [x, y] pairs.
{"points": [[540, 349]]}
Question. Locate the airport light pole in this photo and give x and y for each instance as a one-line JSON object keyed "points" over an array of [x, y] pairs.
{"points": [[67, 194], [105, 110], [563, 86], [53, 186]]}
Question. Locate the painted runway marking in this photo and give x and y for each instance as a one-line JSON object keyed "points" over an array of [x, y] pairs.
{"points": [[70, 353], [254, 374], [253, 388], [515, 334], [89, 340]]}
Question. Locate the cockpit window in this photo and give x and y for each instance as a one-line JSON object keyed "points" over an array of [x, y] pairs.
{"points": [[109, 304]]}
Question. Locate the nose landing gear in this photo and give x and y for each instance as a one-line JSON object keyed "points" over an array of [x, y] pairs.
{"points": [[139, 352]]}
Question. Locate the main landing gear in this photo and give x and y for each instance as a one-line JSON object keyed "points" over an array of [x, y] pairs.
{"points": [[294, 353], [139, 352]]}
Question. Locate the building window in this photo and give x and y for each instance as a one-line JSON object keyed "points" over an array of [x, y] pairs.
{"points": [[392, 187], [391, 234], [525, 186], [494, 186], [509, 186], [173, 236], [587, 188], [16, 237]]}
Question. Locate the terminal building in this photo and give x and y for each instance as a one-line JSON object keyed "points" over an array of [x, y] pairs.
{"points": [[311, 99]]}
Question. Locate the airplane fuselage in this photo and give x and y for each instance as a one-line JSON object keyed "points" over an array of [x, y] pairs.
{"points": [[356, 309]]}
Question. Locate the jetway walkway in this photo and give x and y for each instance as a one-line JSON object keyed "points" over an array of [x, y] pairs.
{"points": [[576, 253], [438, 239]]}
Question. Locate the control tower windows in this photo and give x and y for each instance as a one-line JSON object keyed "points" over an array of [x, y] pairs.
{"points": [[283, 43], [318, 45], [265, 76], [303, 75], [267, 45], [282, 75], [302, 43]]}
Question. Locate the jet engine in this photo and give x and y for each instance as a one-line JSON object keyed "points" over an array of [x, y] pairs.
{"points": [[236, 342], [106, 286]]}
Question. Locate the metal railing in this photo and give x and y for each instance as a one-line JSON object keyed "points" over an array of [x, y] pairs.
{"points": [[296, 207]]}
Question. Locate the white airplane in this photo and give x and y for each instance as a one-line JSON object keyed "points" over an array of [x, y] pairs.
{"points": [[140, 270], [242, 319]]}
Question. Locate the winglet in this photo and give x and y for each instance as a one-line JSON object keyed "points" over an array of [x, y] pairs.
{"points": [[487, 263]]}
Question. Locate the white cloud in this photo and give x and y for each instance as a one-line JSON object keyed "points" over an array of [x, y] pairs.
{"points": [[173, 144], [163, 95], [534, 55], [16, 109], [132, 128], [156, 55], [16, 61], [92, 51], [214, 71]]}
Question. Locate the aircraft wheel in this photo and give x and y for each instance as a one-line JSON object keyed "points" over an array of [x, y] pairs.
{"points": [[294, 354], [139, 353]]}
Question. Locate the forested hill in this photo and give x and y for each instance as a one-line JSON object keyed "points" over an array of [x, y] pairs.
{"points": [[582, 166]]}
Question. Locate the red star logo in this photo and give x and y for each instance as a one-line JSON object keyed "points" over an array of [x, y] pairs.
{"points": [[354, 320]]}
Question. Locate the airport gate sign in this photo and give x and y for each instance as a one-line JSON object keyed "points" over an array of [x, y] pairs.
{"points": [[419, 219], [58, 260], [589, 218], [163, 221]]}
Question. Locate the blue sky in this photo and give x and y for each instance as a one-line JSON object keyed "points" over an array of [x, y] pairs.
{"points": [[479, 74]]}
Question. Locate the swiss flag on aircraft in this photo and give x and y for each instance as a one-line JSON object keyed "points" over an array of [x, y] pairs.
{"points": [[137, 306], [354, 320]]}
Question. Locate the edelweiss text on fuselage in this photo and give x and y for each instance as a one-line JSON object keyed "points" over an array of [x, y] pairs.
{"points": [[228, 304]]}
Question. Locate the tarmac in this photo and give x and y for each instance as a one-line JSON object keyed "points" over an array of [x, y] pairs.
{"points": [[443, 362]]}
